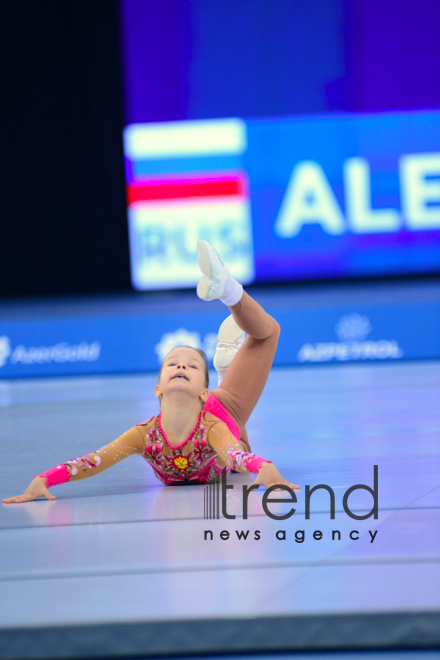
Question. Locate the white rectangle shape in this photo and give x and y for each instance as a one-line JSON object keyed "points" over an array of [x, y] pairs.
{"points": [[185, 138], [164, 237]]}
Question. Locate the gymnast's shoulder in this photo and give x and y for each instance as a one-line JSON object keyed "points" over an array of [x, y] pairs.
{"points": [[208, 420]]}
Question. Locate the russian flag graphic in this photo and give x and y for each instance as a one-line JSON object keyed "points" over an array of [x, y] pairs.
{"points": [[186, 181]]}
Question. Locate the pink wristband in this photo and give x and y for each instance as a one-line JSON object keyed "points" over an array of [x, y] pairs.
{"points": [[55, 476], [254, 463]]}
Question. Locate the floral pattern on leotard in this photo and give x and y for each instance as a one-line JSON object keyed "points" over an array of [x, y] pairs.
{"points": [[238, 459], [193, 461], [83, 462]]}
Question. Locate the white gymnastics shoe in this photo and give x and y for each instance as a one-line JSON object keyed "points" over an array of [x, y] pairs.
{"points": [[217, 283], [230, 339]]}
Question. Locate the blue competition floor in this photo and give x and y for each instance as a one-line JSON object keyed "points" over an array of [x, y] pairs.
{"points": [[118, 566]]}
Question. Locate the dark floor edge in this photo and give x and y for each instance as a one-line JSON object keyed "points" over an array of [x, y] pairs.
{"points": [[207, 636]]}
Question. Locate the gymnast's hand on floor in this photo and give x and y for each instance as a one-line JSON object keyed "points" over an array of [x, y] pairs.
{"points": [[37, 488], [268, 476]]}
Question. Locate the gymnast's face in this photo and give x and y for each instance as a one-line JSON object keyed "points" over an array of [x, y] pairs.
{"points": [[183, 370]]}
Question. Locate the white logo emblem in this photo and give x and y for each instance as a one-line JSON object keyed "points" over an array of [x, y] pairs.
{"points": [[183, 337], [352, 331], [353, 327], [170, 340], [5, 350]]}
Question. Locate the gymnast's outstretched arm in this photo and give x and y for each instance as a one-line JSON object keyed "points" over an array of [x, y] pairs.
{"points": [[130, 442], [231, 454]]}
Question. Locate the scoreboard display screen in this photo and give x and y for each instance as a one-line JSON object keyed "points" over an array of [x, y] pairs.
{"points": [[282, 198]]}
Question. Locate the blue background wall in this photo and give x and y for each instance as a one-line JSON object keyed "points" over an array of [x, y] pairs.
{"points": [[195, 59]]}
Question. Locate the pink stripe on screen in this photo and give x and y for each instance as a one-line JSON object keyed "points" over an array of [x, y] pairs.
{"points": [[178, 189]]}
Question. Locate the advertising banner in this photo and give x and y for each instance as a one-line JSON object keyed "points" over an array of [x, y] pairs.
{"points": [[331, 332]]}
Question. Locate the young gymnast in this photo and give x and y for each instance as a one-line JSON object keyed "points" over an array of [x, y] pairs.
{"points": [[197, 433]]}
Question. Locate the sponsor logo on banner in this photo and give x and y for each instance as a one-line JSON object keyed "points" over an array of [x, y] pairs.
{"points": [[352, 331], [183, 337], [59, 353], [5, 350]]}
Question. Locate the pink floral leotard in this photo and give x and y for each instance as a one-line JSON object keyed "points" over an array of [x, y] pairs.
{"points": [[212, 445]]}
